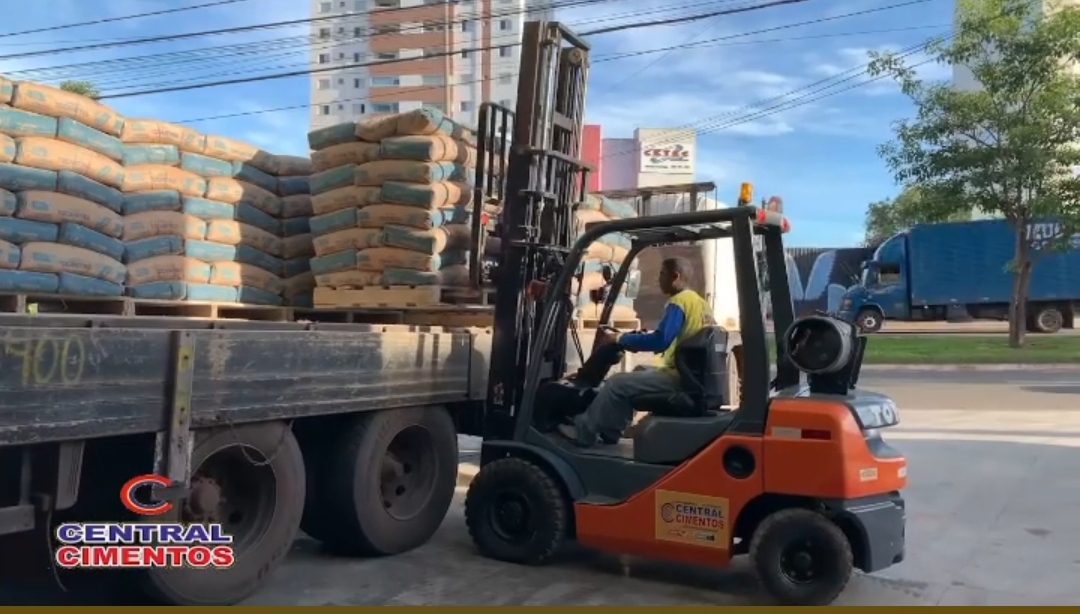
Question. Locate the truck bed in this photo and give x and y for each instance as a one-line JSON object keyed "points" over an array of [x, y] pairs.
{"points": [[68, 377]]}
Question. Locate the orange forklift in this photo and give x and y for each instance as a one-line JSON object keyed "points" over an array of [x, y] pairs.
{"points": [[796, 476]]}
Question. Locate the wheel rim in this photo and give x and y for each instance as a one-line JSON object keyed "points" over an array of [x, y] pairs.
{"points": [[511, 517], [408, 473], [235, 487], [1048, 320], [803, 562], [869, 322]]}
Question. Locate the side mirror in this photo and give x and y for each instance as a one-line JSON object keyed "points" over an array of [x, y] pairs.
{"points": [[598, 295], [608, 272]]}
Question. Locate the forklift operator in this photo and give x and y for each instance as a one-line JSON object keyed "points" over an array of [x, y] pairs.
{"points": [[612, 411]]}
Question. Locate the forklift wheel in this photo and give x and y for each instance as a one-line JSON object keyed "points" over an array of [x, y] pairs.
{"points": [[516, 513], [801, 557]]}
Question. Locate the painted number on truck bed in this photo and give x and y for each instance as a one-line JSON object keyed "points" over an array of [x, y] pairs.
{"points": [[43, 361]]}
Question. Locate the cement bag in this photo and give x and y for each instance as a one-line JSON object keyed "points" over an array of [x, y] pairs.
{"points": [[381, 171], [454, 275], [293, 186], [74, 184], [235, 192], [589, 281], [244, 171], [333, 178], [246, 275], [612, 208], [409, 277], [226, 232], [256, 296], [27, 281], [168, 268], [7, 148], [618, 312], [331, 135], [331, 222], [55, 208], [206, 209], [14, 122], [298, 284], [81, 236], [232, 150], [145, 177], [81, 285], [584, 217], [345, 240], [350, 278], [260, 239], [178, 246], [19, 231], [7, 88], [333, 263], [380, 258], [344, 198], [205, 166], [71, 131], [293, 166], [378, 216], [295, 266], [298, 205], [165, 155], [9, 255], [250, 215], [17, 178], [441, 194], [432, 121], [57, 258], [606, 252], [343, 154], [56, 102], [250, 255], [298, 246], [433, 148], [431, 242], [295, 226], [8, 202], [161, 223], [376, 127], [153, 200], [54, 155], [183, 291], [154, 132]]}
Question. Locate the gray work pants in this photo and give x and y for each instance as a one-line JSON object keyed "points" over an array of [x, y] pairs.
{"points": [[612, 411]]}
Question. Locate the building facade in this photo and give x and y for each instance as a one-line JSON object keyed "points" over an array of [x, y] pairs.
{"points": [[386, 56], [654, 157]]}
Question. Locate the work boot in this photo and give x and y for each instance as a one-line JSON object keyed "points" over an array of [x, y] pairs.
{"points": [[570, 432]]}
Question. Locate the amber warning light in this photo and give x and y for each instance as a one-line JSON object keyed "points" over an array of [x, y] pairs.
{"points": [[746, 194]]}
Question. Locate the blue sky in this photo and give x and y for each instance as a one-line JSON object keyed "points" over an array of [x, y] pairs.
{"points": [[820, 156]]}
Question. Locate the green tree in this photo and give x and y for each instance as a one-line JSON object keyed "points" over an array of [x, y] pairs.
{"points": [[1009, 148], [83, 88], [884, 218]]}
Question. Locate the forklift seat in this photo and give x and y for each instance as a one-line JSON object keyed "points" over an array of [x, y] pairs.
{"points": [[680, 424]]}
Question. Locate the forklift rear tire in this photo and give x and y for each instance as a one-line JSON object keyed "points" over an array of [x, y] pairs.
{"points": [[516, 512], [801, 557]]}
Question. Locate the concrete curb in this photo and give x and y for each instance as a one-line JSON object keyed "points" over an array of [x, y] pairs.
{"points": [[985, 367]]}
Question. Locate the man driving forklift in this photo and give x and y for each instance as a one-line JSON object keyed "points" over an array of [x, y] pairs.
{"points": [[612, 411]]}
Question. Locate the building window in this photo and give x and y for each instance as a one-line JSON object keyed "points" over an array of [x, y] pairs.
{"points": [[341, 81], [341, 4], [360, 5], [505, 102], [435, 105], [466, 78], [506, 78], [466, 26], [433, 26], [324, 32], [465, 106], [358, 108], [356, 57], [386, 55], [505, 24], [357, 83], [385, 81], [434, 52], [433, 80], [322, 84], [324, 109], [464, 54], [387, 4], [505, 52], [324, 58], [357, 32], [390, 28], [384, 107], [325, 7]]}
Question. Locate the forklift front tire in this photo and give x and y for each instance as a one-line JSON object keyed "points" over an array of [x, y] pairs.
{"points": [[801, 557], [516, 512]]}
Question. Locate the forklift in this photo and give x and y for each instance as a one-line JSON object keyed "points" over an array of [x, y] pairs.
{"points": [[796, 475]]}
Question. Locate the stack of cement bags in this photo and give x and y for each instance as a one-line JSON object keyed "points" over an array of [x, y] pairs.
{"points": [[60, 210], [391, 197], [610, 249], [293, 186]]}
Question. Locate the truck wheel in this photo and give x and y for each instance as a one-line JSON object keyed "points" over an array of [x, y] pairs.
{"points": [[1049, 320], [391, 480], [869, 320], [516, 513], [801, 557], [250, 479]]}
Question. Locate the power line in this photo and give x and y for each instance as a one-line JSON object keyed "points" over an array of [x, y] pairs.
{"points": [[96, 22]]}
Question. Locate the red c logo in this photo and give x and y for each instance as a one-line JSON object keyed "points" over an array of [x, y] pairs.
{"points": [[127, 495]]}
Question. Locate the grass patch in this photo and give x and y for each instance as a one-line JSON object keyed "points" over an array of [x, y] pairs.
{"points": [[970, 349]]}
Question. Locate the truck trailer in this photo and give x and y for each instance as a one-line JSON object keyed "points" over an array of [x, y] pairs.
{"points": [[958, 271]]}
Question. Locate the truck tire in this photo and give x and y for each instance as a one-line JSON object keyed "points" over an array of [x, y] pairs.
{"points": [[869, 320], [258, 471], [1048, 319], [391, 480]]}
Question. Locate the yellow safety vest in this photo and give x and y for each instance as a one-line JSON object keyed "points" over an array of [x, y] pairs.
{"points": [[696, 315]]}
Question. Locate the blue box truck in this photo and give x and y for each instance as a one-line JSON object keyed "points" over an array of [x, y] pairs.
{"points": [[959, 271]]}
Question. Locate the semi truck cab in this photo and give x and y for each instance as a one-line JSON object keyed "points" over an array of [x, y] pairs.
{"points": [[882, 292]]}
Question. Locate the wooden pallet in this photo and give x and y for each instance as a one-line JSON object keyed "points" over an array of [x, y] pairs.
{"points": [[623, 325], [31, 303]]}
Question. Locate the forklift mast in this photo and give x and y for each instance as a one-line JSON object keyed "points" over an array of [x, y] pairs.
{"points": [[542, 182]]}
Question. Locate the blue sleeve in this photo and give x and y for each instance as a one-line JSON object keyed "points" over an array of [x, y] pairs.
{"points": [[658, 340]]}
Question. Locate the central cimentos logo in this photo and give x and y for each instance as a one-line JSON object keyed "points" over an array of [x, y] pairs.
{"points": [[667, 512]]}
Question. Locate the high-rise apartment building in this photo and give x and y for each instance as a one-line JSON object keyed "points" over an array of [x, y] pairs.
{"points": [[387, 56]]}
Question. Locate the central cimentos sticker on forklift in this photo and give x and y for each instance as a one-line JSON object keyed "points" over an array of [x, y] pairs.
{"points": [[692, 519]]}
